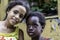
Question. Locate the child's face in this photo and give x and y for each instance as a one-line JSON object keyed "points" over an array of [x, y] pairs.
{"points": [[33, 26], [16, 14]]}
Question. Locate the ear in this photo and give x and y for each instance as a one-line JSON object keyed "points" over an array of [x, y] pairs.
{"points": [[42, 28]]}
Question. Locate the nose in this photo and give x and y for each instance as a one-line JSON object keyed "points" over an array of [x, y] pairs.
{"points": [[17, 17], [31, 28]]}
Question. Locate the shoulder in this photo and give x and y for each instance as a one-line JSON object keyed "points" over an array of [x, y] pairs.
{"points": [[48, 38], [1, 23], [44, 38]]}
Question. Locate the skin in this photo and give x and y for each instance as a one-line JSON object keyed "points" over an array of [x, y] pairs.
{"points": [[33, 27], [14, 16]]}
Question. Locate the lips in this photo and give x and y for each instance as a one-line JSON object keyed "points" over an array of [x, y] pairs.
{"points": [[30, 32], [14, 20]]}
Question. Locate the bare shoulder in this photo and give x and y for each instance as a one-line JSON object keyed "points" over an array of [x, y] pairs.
{"points": [[1, 22], [48, 39]]}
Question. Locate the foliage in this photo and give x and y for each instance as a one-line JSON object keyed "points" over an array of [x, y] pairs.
{"points": [[47, 7]]}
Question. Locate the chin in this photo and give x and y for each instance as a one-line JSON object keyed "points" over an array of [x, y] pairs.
{"points": [[13, 23], [31, 35]]}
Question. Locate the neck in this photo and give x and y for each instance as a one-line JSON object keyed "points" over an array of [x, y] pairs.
{"points": [[36, 38], [7, 24]]}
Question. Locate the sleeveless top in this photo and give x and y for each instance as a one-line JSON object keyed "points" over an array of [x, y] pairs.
{"points": [[10, 36]]}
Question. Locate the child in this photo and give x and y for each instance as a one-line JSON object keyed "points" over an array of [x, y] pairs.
{"points": [[15, 12], [35, 22]]}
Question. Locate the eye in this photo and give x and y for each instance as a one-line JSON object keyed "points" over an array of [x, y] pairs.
{"points": [[15, 11], [35, 24], [21, 15], [29, 26]]}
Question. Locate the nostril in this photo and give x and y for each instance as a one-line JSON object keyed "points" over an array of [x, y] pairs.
{"points": [[31, 27]]}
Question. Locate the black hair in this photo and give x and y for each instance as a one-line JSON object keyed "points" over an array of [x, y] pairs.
{"points": [[14, 3], [39, 15]]}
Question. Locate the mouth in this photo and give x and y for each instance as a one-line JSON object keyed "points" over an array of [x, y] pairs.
{"points": [[14, 21], [31, 33]]}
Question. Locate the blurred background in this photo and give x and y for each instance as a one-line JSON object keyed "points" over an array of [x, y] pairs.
{"points": [[51, 10]]}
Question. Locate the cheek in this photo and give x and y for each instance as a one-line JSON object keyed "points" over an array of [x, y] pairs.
{"points": [[39, 29], [10, 17], [11, 14], [35, 30]]}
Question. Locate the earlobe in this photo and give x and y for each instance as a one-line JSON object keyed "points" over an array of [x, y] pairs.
{"points": [[41, 30]]}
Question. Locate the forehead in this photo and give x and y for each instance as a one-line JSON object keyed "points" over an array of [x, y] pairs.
{"points": [[34, 19], [20, 8]]}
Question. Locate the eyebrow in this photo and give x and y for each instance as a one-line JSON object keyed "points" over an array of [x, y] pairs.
{"points": [[16, 11]]}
